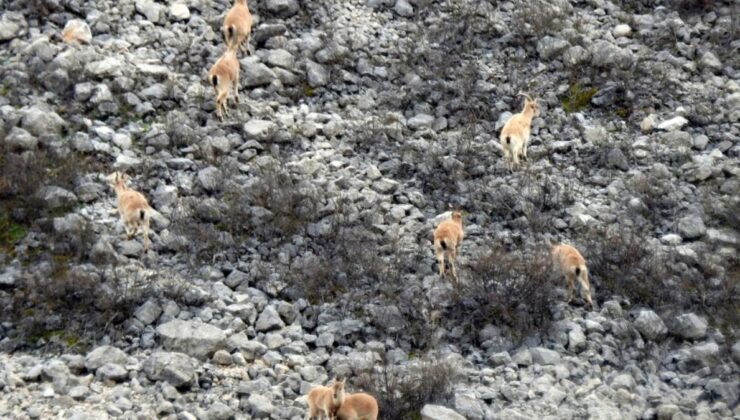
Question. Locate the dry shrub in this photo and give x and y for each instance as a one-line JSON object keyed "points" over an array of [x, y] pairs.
{"points": [[656, 195], [625, 264], [65, 305], [22, 174], [205, 238], [291, 206], [402, 391], [505, 288]]}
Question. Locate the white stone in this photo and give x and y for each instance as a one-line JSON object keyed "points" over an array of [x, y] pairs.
{"points": [[621, 30], [673, 124], [179, 11]]}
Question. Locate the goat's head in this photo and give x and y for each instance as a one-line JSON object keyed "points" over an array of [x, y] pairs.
{"points": [[337, 389], [117, 178], [530, 104]]}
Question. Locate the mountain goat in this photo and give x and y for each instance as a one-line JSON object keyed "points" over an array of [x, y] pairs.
{"points": [[238, 26], [448, 237], [359, 406], [569, 262], [132, 206], [515, 134], [325, 401], [223, 76]]}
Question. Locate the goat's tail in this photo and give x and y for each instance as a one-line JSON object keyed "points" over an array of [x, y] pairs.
{"points": [[230, 32], [508, 140], [142, 214], [214, 80], [443, 244], [578, 271]]}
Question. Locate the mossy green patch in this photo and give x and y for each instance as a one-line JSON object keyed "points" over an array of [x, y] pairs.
{"points": [[578, 98], [10, 234]]}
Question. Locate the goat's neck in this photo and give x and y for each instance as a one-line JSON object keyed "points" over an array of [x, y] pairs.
{"points": [[527, 113], [242, 2], [120, 188]]}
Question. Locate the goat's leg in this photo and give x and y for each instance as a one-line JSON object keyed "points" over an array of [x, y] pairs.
{"points": [[571, 286], [441, 262], [236, 86], [585, 289]]}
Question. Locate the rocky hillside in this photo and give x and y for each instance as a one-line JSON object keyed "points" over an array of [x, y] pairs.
{"points": [[292, 242]]}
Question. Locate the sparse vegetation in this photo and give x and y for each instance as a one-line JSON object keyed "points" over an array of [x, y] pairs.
{"points": [[578, 98], [403, 391], [10, 233], [540, 17], [508, 288]]}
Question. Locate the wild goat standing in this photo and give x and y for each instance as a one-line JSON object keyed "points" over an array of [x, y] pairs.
{"points": [[238, 26], [224, 75], [448, 237], [515, 134], [325, 401], [569, 262], [358, 406], [133, 207]]}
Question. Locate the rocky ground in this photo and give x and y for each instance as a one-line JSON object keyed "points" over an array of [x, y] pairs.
{"points": [[292, 241]]}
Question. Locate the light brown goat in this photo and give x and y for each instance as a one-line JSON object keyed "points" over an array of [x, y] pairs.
{"points": [[238, 26], [223, 76], [569, 262], [132, 206], [515, 134], [358, 406], [448, 237], [324, 401]]}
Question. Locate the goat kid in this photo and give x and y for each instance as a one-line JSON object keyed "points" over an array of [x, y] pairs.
{"points": [[569, 262], [237, 27], [324, 401], [448, 237], [222, 76], [515, 134], [358, 406], [132, 206]]}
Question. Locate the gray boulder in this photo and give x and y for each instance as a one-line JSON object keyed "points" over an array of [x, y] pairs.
{"points": [[404, 8], [40, 122], [691, 227], [256, 73], [19, 138], [543, 356], [111, 372], [282, 8], [470, 406], [438, 412], [260, 406], [706, 354], [11, 25], [650, 325], [259, 130], [269, 319], [104, 355], [220, 411], [177, 369], [316, 74], [606, 54], [56, 197], [549, 47], [193, 338], [148, 312], [690, 326]]}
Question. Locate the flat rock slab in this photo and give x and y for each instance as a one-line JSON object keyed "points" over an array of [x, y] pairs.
{"points": [[194, 338]]}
